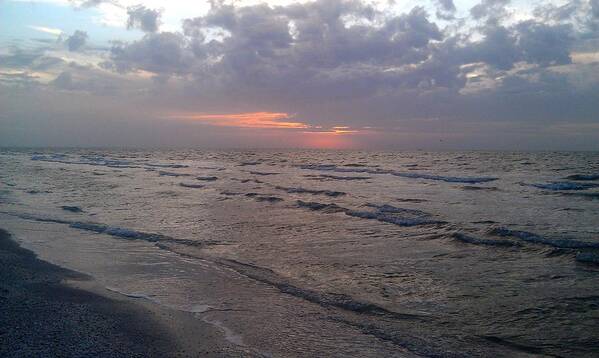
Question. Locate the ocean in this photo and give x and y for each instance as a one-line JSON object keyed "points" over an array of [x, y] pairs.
{"points": [[311, 253]]}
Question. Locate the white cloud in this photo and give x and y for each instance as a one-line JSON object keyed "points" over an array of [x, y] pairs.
{"points": [[48, 30]]}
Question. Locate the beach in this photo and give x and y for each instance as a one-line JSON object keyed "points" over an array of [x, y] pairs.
{"points": [[48, 311]]}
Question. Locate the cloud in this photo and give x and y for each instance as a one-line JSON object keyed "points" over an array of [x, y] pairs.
{"points": [[445, 9], [545, 44], [491, 9], [140, 17], [76, 41], [92, 3], [447, 5], [272, 120], [47, 30], [161, 53], [254, 47], [64, 81], [330, 55], [595, 7]]}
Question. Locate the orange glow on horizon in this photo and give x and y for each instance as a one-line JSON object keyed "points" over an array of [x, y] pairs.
{"points": [[276, 120], [300, 133], [326, 140]]}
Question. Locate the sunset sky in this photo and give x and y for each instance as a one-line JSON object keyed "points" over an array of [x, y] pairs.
{"points": [[440, 74]]}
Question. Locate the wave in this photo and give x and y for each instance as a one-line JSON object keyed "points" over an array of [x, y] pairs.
{"points": [[392, 219], [354, 165], [513, 345], [136, 295], [487, 188], [566, 243], [328, 208], [310, 191], [263, 173], [411, 343], [73, 209], [324, 299], [230, 193], [115, 231], [207, 178], [386, 208], [563, 185], [172, 174], [269, 199], [468, 180], [583, 177], [195, 186], [589, 196], [394, 215], [334, 177], [588, 257], [37, 218], [449, 179], [264, 197], [383, 213], [489, 242], [97, 160], [84, 160], [173, 166]]}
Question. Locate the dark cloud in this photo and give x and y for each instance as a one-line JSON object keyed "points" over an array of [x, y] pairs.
{"points": [[76, 41], [163, 52], [445, 9], [447, 5], [551, 12], [63, 81], [142, 18], [17, 57], [311, 46], [19, 79], [88, 80], [44, 63], [595, 7], [529, 41], [493, 10], [545, 44], [498, 48]]}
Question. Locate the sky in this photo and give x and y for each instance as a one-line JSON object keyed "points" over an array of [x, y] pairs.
{"points": [[331, 74]]}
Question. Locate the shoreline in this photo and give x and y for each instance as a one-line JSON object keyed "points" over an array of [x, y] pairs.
{"points": [[48, 310]]}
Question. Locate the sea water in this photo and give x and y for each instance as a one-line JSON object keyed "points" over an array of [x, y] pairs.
{"points": [[330, 253]]}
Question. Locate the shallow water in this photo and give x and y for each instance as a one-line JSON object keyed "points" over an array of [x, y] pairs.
{"points": [[329, 253]]}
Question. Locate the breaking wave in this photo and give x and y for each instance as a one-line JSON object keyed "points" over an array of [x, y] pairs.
{"points": [[449, 179], [383, 213]]}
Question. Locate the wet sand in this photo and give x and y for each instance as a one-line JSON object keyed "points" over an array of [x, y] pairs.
{"points": [[48, 311]]}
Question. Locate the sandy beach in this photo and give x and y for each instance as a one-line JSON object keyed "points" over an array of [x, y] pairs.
{"points": [[53, 312]]}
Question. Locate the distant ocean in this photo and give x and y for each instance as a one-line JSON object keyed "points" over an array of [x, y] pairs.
{"points": [[331, 253]]}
